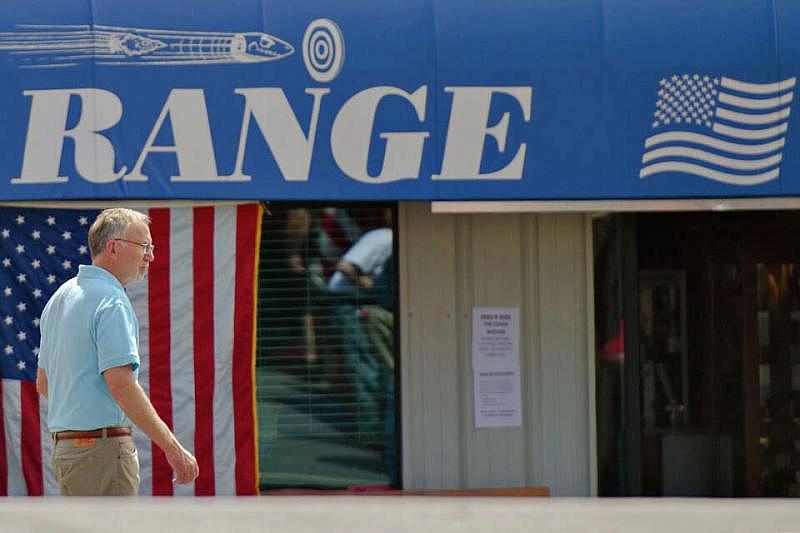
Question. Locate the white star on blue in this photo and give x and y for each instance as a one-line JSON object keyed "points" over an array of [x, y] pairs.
{"points": [[44, 252]]}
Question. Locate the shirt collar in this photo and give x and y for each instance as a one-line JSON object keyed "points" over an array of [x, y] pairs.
{"points": [[95, 272]]}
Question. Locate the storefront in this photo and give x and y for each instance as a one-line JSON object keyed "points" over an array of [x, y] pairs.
{"points": [[713, 381], [585, 166]]}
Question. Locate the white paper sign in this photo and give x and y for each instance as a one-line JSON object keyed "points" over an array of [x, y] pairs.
{"points": [[495, 366], [495, 338], [497, 398]]}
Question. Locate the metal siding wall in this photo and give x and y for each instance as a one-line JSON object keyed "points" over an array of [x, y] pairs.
{"points": [[495, 282], [428, 302], [562, 353], [450, 263]]}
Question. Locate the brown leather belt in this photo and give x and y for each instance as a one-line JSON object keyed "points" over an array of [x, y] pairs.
{"points": [[93, 434]]}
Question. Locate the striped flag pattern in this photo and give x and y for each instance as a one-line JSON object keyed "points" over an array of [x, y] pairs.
{"points": [[197, 345], [721, 129]]}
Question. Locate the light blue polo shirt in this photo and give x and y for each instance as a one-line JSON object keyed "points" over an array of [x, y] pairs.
{"points": [[87, 327]]}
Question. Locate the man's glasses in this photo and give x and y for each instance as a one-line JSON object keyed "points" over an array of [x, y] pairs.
{"points": [[148, 248]]}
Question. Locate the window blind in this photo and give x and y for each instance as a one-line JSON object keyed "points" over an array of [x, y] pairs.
{"points": [[326, 346]]}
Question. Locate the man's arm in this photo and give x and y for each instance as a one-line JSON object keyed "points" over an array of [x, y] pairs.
{"points": [[41, 382], [354, 274], [136, 405]]}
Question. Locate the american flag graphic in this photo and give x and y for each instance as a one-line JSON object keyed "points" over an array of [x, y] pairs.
{"points": [[196, 311], [719, 128]]}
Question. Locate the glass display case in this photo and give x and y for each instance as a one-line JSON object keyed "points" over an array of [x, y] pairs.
{"points": [[662, 349]]}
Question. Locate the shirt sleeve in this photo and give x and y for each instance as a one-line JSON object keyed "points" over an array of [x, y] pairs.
{"points": [[43, 357], [116, 335], [371, 250]]}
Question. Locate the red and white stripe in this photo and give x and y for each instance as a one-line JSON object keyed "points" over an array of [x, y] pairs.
{"points": [[25, 444], [197, 345]]}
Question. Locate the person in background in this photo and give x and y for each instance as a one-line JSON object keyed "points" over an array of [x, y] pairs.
{"points": [[364, 318], [88, 367]]}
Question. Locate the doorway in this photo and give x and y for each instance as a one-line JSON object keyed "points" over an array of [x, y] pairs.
{"points": [[711, 376]]}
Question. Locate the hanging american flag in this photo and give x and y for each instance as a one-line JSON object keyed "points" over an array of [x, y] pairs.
{"points": [[197, 340], [721, 129]]}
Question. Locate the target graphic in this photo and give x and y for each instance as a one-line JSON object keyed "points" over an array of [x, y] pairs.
{"points": [[323, 50]]}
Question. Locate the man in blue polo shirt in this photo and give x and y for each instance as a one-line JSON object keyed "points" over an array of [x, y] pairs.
{"points": [[88, 365]]}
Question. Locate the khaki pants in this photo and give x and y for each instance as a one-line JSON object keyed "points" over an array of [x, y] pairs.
{"points": [[96, 467]]}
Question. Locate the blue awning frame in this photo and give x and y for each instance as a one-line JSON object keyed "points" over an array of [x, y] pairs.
{"points": [[523, 100]]}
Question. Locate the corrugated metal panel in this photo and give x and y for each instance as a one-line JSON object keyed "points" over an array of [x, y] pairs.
{"points": [[561, 300], [431, 356], [448, 265]]}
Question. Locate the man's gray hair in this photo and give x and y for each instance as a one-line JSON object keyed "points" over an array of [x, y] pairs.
{"points": [[110, 224]]}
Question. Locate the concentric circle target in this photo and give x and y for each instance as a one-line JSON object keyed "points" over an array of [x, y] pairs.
{"points": [[323, 50]]}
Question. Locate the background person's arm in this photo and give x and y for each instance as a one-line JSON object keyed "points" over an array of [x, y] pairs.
{"points": [[354, 274], [136, 405]]}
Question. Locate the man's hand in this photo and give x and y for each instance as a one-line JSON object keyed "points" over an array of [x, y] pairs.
{"points": [[365, 281], [134, 403], [183, 463], [354, 274]]}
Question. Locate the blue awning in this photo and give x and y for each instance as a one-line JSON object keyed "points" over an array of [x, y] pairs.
{"points": [[420, 99]]}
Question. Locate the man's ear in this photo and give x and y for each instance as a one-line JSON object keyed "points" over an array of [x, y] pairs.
{"points": [[111, 248]]}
